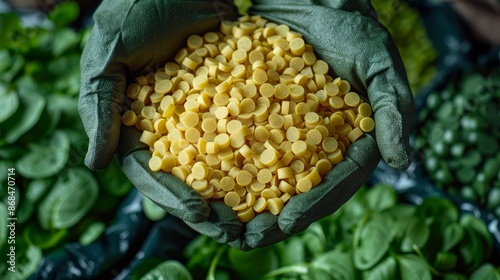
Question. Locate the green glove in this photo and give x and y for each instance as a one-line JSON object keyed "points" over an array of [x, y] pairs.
{"points": [[129, 37]]}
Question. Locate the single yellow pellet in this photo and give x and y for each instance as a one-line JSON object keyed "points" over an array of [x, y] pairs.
{"points": [[148, 138], [227, 183], [299, 148], [232, 199], [268, 157], [260, 205], [351, 99], [244, 178], [355, 134], [364, 109], [323, 166], [367, 124], [275, 205], [200, 170], [304, 185], [329, 145], [246, 215], [155, 163], [129, 118], [199, 185]]}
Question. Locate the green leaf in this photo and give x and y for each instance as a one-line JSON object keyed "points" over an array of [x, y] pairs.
{"points": [[253, 264], [486, 272], [454, 276], [336, 263], [47, 160], [64, 40], [9, 102], [113, 180], [72, 196], [36, 189], [372, 244], [445, 261], [453, 234], [151, 210], [413, 268], [385, 270], [292, 252], [472, 250], [168, 270], [417, 233], [479, 227], [381, 197], [43, 239], [64, 13], [9, 25], [17, 64], [92, 232], [28, 258], [439, 208], [30, 108]]}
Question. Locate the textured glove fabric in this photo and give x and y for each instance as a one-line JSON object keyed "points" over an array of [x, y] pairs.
{"points": [[130, 36]]}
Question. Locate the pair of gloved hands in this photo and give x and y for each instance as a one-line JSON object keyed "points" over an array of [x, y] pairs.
{"points": [[132, 35]]}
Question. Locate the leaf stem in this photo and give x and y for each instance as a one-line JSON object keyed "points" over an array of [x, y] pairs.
{"points": [[213, 264], [421, 255]]}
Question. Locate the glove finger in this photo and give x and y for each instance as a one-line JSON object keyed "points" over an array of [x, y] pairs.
{"points": [[263, 230], [99, 105], [167, 191], [334, 190], [223, 224], [393, 107]]}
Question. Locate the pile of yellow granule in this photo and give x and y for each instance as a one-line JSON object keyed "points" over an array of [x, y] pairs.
{"points": [[248, 115]]}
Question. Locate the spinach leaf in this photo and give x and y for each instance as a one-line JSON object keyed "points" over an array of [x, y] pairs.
{"points": [[336, 263], [92, 232], [168, 270], [417, 234], [253, 264], [381, 198], [143, 267], [72, 196], [36, 189], [471, 250], [385, 270], [64, 13], [453, 234], [486, 272], [291, 252], [30, 108], [47, 159], [9, 102], [480, 228], [27, 259], [413, 268], [113, 180], [445, 261], [151, 210], [371, 244], [9, 25]]}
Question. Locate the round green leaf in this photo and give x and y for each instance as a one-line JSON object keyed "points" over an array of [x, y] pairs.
{"points": [[453, 234], [48, 160], [37, 188], [380, 198], [413, 268], [29, 110], [71, 197], [385, 270], [417, 234], [336, 264], [168, 270], [445, 261], [92, 232], [151, 210], [113, 180], [372, 245], [486, 272], [79, 195], [64, 13], [9, 102]]}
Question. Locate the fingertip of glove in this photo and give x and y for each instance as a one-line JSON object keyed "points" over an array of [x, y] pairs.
{"points": [[96, 163]]}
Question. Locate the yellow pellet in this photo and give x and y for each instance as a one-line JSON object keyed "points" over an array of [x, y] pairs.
{"points": [[275, 205], [367, 124], [246, 215], [232, 199], [129, 118]]}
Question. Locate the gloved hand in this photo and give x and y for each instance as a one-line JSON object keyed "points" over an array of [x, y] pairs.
{"points": [[129, 37]]}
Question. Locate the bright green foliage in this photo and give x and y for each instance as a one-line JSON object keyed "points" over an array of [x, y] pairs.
{"points": [[408, 32], [363, 240], [459, 135], [42, 137]]}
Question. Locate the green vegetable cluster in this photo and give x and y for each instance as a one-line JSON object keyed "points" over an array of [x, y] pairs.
{"points": [[372, 236], [459, 136], [57, 198], [418, 53]]}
